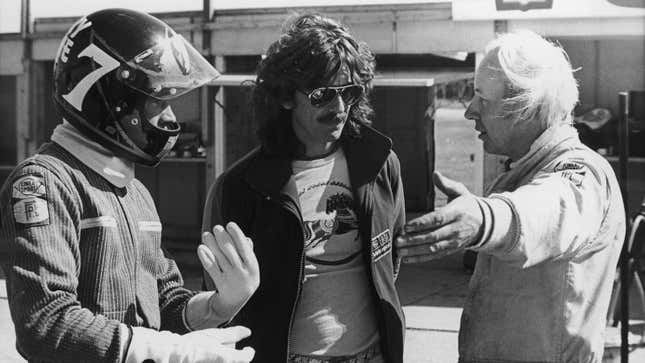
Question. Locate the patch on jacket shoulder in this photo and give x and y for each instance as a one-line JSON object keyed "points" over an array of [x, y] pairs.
{"points": [[28, 186], [381, 245], [572, 171], [29, 198]]}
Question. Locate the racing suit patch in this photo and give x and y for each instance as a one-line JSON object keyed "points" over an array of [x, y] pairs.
{"points": [[29, 186], [572, 171], [29, 198], [31, 211], [381, 245]]}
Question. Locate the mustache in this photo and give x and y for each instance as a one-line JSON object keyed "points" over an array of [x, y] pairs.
{"points": [[335, 117]]}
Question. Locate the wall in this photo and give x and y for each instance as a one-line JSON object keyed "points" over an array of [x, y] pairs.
{"points": [[413, 28], [177, 187], [459, 152], [11, 51], [8, 120], [241, 130], [400, 113], [608, 65], [7, 125], [635, 183]]}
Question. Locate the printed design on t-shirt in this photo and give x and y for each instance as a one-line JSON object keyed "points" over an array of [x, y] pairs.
{"points": [[340, 218]]}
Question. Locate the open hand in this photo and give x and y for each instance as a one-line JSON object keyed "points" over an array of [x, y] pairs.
{"points": [[228, 258], [447, 230]]}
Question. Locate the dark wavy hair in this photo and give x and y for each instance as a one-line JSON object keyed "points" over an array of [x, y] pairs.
{"points": [[308, 54]]}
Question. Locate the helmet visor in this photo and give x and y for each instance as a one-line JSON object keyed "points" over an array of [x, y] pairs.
{"points": [[169, 69]]}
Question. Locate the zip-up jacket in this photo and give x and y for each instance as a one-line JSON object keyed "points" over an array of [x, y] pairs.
{"points": [[83, 257], [259, 194], [544, 274]]}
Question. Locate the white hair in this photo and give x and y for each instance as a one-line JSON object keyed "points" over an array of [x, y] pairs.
{"points": [[540, 85]]}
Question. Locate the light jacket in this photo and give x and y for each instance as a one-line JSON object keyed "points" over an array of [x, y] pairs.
{"points": [[259, 194], [554, 227]]}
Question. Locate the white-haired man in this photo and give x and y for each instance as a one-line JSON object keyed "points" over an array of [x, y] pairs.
{"points": [[549, 231]]}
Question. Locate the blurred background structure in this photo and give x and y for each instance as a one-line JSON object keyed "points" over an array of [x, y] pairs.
{"points": [[426, 53]]}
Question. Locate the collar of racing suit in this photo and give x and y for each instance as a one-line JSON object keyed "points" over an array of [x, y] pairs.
{"points": [[119, 172], [539, 150], [548, 139]]}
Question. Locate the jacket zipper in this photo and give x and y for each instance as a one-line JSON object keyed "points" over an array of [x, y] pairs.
{"points": [[134, 250], [295, 303], [368, 215], [291, 207]]}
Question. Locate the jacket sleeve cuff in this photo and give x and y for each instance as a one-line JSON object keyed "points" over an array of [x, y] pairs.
{"points": [[185, 320], [199, 310], [500, 225]]}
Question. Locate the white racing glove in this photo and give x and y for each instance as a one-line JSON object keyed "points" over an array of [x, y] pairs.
{"points": [[203, 346], [227, 256]]}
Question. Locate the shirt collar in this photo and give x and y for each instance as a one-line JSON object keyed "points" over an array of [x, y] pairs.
{"points": [[546, 141], [119, 172]]}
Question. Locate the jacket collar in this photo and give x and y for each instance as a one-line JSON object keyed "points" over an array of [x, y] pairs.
{"points": [[118, 172], [553, 138], [271, 175], [550, 139], [366, 155]]}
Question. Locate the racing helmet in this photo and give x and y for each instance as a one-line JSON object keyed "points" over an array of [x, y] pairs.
{"points": [[108, 64]]}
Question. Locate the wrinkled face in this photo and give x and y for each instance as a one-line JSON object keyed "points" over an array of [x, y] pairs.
{"points": [[487, 109], [319, 128]]}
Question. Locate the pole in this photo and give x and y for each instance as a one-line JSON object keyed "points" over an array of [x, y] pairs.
{"points": [[623, 154], [206, 33], [25, 120]]}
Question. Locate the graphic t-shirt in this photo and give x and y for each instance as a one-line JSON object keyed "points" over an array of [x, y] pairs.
{"points": [[336, 313]]}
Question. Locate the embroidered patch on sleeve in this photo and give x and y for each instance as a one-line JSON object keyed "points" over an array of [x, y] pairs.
{"points": [[572, 171], [29, 198], [381, 245], [31, 211], [29, 186]]}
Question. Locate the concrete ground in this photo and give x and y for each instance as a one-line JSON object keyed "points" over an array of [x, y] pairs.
{"points": [[432, 295]]}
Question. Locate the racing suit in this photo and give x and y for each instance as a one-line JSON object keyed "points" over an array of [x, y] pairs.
{"points": [[84, 255], [554, 227]]}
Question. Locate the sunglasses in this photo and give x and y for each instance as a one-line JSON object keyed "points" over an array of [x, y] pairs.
{"points": [[321, 96]]}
